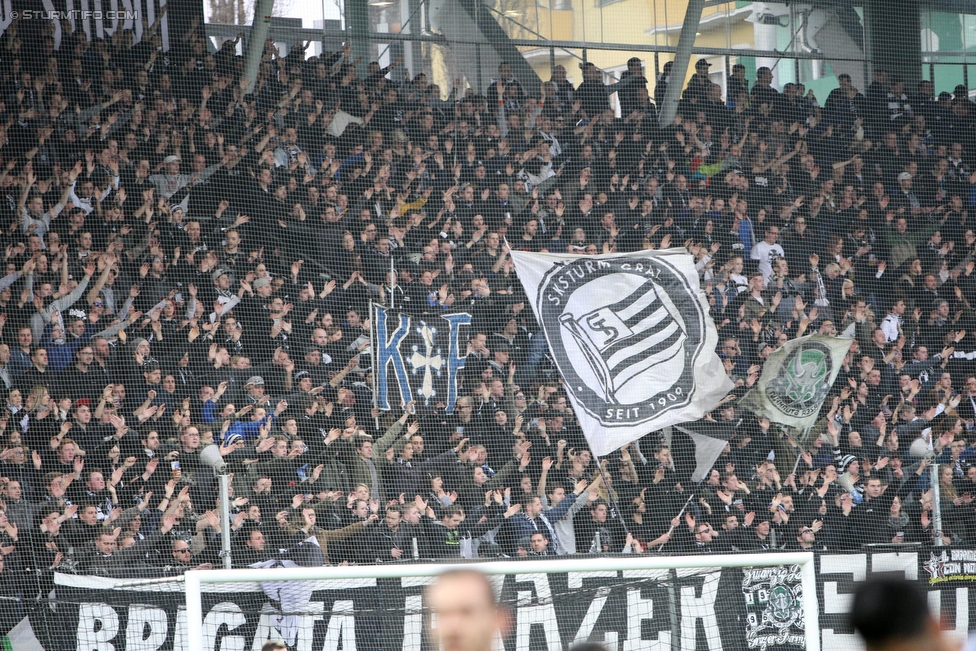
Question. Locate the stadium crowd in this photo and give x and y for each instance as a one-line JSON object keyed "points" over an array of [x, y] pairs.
{"points": [[186, 265]]}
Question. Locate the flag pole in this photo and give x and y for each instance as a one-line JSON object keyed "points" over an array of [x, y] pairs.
{"points": [[372, 357], [796, 464], [613, 498], [799, 445], [684, 508]]}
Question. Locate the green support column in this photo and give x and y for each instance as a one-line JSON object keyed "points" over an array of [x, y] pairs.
{"points": [[895, 38], [357, 29], [682, 55], [255, 42]]}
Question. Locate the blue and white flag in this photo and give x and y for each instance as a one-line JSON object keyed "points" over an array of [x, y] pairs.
{"points": [[631, 336], [417, 358]]}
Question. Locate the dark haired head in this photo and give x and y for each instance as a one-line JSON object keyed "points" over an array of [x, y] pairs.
{"points": [[887, 611]]}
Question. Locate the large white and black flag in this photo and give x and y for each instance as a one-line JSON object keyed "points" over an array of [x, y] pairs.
{"points": [[631, 336], [417, 358]]}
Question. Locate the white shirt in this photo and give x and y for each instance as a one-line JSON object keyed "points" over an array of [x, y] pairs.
{"points": [[765, 254], [890, 327]]}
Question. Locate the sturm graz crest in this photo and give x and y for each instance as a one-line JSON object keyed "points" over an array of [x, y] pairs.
{"points": [[783, 609], [625, 335], [802, 383]]}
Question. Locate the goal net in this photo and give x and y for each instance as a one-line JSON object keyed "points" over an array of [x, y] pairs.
{"points": [[638, 603]]}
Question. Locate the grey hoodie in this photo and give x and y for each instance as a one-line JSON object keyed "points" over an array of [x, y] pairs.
{"points": [[565, 533]]}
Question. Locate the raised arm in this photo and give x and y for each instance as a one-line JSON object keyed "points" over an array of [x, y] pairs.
{"points": [[96, 289], [22, 200], [68, 300], [500, 118]]}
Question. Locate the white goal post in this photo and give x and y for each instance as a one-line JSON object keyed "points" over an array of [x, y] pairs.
{"points": [[630, 565]]}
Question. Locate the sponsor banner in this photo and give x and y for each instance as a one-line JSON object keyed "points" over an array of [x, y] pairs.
{"points": [[635, 610], [632, 339], [950, 565]]}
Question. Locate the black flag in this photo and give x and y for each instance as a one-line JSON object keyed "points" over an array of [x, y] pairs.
{"points": [[696, 446]]}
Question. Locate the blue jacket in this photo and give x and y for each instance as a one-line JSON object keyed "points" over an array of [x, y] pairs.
{"points": [[522, 526], [207, 412], [60, 356], [249, 429]]}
